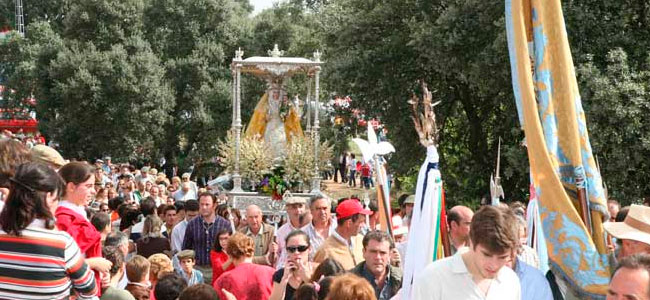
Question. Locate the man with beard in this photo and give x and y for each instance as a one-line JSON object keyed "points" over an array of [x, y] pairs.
{"points": [[477, 272], [459, 219], [384, 278]]}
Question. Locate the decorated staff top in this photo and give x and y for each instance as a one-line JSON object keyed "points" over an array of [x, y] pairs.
{"points": [[424, 117], [275, 65], [372, 147]]}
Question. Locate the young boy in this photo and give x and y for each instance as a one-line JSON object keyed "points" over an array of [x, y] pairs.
{"points": [[478, 272], [186, 259], [137, 272]]}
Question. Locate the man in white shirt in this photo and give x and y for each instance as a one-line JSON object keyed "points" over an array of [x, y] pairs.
{"points": [[186, 178], [186, 192], [476, 272], [322, 224], [459, 220], [178, 233]]}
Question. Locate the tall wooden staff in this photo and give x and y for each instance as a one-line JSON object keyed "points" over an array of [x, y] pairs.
{"points": [[382, 198], [496, 191], [372, 150], [424, 120]]}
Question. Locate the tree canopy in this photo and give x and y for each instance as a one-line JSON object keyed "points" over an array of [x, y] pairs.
{"points": [[152, 78]]}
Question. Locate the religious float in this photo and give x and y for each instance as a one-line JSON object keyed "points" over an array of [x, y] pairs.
{"points": [[272, 158]]}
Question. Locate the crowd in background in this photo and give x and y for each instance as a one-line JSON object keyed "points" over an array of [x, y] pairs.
{"points": [[127, 233], [113, 231]]}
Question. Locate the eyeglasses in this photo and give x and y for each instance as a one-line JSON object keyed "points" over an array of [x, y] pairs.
{"points": [[301, 248]]}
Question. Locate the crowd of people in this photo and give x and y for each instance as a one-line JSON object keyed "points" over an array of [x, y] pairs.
{"points": [[112, 231]]}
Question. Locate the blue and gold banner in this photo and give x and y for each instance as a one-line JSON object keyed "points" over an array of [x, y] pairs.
{"points": [[561, 160]]}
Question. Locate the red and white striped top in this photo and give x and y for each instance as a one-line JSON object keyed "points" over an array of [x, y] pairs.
{"points": [[43, 264]]}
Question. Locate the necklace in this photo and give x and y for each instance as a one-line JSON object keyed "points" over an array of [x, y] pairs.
{"points": [[207, 226]]}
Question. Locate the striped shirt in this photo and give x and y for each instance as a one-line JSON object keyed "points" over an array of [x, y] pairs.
{"points": [[200, 235], [42, 264]]}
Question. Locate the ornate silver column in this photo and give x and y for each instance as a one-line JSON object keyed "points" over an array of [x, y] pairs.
{"points": [[236, 177], [234, 96], [315, 186], [308, 107]]}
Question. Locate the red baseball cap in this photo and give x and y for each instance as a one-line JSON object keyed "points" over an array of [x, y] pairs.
{"points": [[350, 207]]}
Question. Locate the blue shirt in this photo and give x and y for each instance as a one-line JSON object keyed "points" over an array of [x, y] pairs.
{"points": [[196, 278], [533, 283]]}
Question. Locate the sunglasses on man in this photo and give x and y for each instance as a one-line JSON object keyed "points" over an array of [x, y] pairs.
{"points": [[301, 248]]}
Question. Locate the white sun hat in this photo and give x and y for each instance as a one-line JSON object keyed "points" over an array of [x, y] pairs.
{"points": [[636, 225]]}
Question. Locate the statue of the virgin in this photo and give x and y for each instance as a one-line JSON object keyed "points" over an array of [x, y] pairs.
{"points": [[276, 119]]}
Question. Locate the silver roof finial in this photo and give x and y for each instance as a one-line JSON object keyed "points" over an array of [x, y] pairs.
{"points": [[317, 56], [276, 52], [239, 53]]}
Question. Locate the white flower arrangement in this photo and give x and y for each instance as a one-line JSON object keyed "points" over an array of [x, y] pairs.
{"points": [[254, 159], [226, 148], [299, 161]]}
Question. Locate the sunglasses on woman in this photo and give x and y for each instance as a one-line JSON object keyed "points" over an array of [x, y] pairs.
{"points": [[301, 248]]}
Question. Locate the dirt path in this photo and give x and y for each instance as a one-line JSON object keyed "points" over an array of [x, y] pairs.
{"points": [[342, 190]]}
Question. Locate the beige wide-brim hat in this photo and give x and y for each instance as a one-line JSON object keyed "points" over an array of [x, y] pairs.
{"points": [[636, 225], [47, 155]]}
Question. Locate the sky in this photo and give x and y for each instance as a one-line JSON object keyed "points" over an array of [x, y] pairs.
{"points": [[261, 5]]}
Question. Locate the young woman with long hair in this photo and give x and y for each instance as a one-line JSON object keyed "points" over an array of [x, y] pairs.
{"points": [[71, 215], [218, 257], [38, 260]]}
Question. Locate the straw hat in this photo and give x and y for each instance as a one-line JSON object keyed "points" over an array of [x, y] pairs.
{"points": [[635, 227]]}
